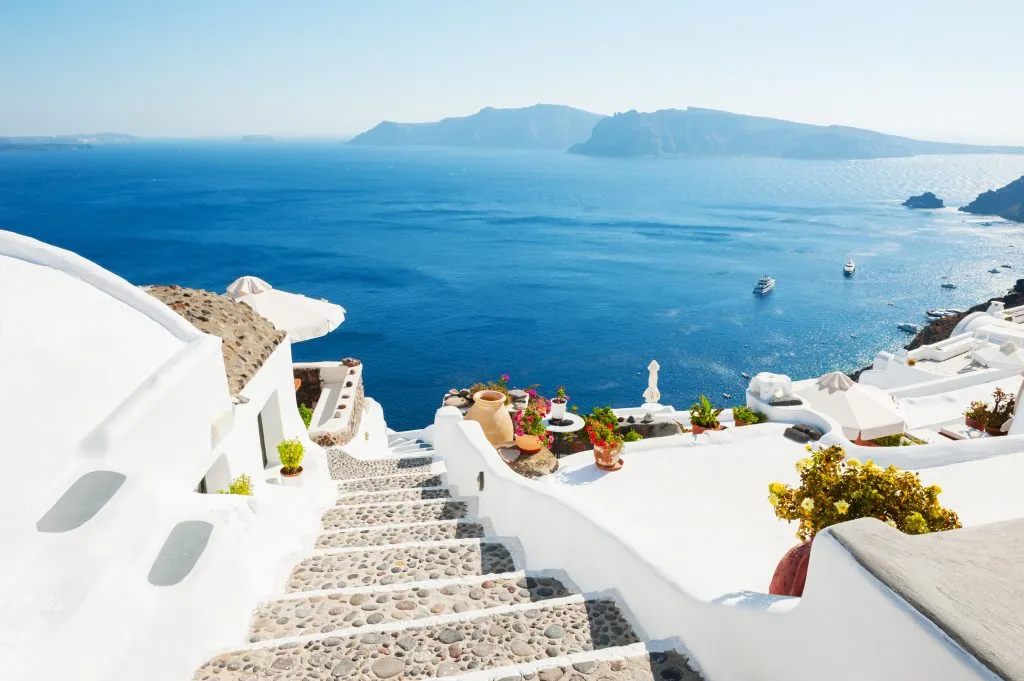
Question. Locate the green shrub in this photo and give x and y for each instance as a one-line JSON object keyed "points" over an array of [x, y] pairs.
{"points": [[632, 436], [748, 416], [241, 485], [290, 452], [306, 414], [833, 490], [891, 441], [704, 414]]}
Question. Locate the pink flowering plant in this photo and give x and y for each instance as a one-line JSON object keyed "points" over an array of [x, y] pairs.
{"points": [[530, 421]]}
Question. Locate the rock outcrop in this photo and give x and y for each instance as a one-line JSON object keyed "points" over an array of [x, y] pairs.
{"points": [[926, 200], [248, 338], [1006, 202]]}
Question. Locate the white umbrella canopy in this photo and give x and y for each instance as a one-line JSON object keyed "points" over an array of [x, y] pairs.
{"points": [[862, 411], [1005, 356], [301, 317]]}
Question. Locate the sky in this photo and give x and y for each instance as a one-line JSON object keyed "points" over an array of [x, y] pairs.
{"points": [[945, 69]]}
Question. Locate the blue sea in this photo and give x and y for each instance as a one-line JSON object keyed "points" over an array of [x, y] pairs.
{"points": [[461, 265]]}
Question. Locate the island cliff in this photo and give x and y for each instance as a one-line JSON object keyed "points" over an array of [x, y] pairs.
{"points": [[706, 132], [542, 126], [1007, 202]]}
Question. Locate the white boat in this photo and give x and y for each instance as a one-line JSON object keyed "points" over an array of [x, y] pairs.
{"points": [[764, 285], [939, 313], [949, 285], [850, 267], [745, 374], [909, 328], [1009, 267], [995, 270]]}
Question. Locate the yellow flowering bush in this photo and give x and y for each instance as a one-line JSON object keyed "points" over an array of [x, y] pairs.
{"points": [[834, 489]]}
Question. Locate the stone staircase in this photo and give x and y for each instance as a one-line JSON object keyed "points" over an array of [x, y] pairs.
{"points": [[404, 584]]}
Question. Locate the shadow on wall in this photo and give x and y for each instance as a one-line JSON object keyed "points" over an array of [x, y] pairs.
{"points": [[750, 600]]}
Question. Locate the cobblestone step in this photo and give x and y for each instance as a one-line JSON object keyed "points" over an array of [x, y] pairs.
{"points": [[421, 494], [484, 642], [657, 666], [337, 612], [400, 564], [343, 517], [392, 482], [401, 534], [344, 467]]}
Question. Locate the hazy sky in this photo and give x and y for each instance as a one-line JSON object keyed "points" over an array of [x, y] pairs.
{"points": [[943, 69]]}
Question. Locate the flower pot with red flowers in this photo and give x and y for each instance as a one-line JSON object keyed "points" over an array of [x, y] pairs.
{"points": [[977, 415], [607, 444], [291, 453], [558, 404], [834, 489], [704, 416]]}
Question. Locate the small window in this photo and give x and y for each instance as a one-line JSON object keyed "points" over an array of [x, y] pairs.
{"points": [[180, 552], [81, 501]]}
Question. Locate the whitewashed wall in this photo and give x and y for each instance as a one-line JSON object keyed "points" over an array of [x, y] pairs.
{"points": [[848, 627]]}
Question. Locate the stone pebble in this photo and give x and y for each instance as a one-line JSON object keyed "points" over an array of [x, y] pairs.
{"points": [[391, 566], [390, 483], [486, 642], [344, 517], [393, 495], [324, 614], [344, 467]]}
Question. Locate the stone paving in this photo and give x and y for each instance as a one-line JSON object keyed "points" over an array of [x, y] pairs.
{"points": [[325, 614], [344, 467], [394, 566], [669, 666], [439, 650], [342, 517], [394, 482], [400, 534], [395, 495]]}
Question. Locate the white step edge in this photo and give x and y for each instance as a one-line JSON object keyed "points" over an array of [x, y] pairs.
{"points": [[410, 502], [421, 623], [438, 543], [641, 649], [394, 490], [401, 586]]}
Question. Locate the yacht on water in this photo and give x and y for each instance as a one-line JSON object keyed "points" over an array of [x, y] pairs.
{"points": [[949, 285], [850, 267], [940, 312], [909, 328], [995, 270], [764, 285]]}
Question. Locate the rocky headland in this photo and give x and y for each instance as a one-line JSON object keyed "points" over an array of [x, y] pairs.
{"points": [[1006, 202], [926, 200], [696, 132]]}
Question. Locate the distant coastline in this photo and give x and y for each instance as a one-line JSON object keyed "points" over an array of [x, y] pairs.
{"points": [[62, 142]]}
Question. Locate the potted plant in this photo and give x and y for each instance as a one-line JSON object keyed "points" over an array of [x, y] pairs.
{"points": [[1002, 410], [529, 428], [290, 452], [242, 485], [977, 415], [834, 489], [607, 444], [911, 361], [743, 416], [704, 416], [558, 404]]}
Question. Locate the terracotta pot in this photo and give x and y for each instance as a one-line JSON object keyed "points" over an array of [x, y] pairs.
{"points": [[489, 411], [607, 457], [791, 572], [697, 430], [739, 424], [994, 430], [557, 410], [974, 423], [528, 444], [291, 479]]}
